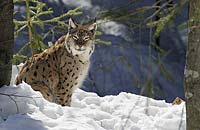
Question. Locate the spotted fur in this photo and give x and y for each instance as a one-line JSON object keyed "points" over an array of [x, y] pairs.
{"points": [[57, 71]]}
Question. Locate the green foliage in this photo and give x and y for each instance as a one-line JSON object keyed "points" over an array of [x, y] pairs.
{"points": [[141, 17], [166, 16], [161, 23], [164, 70], [160, 50], [32, 19], [150, 90], [155, 17], [183, 25], [37, 42], [99, 41]]}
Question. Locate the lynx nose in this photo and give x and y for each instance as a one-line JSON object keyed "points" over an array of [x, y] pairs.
{"points": [[80, 47], [80, 43]]}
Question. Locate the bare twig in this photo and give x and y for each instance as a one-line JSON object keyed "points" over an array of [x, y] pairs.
{"points": [[14, 102], [129, 114], [14, 95], [158, 9]]}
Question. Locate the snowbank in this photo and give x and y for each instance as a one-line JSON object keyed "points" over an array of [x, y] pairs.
{"points": [[21, 108], [25, 109]]}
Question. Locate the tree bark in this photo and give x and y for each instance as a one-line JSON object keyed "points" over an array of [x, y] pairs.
{"points": [[6, 40], [192, 71]]}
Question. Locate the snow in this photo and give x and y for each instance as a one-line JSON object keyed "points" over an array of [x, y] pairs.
{"points": [[113, 28], [25, 109], [83, 3]]}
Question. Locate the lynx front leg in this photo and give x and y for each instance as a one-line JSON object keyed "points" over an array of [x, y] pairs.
{"points": [[63, 96], [68, 100], [44, 90]]}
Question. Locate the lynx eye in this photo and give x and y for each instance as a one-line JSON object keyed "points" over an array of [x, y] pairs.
{"points": [[86, 38], [75, 37]]}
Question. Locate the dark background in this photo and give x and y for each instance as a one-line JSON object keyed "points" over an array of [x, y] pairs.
{"points": [[126, 64]]}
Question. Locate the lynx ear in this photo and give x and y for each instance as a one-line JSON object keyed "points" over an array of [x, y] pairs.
{"points": [[92, 27], [72, 24]]}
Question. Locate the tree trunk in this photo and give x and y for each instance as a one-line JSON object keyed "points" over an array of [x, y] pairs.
{"points": [[6, 41], [192, 71]]}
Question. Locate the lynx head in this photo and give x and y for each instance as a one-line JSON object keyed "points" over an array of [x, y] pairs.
{"points": [[81, 37]]}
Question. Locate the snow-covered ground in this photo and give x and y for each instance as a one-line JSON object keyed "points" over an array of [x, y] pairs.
{"points": [[25, 109]]}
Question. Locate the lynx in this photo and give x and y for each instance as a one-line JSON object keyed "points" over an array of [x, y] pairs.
{"points": [[59, 70]]}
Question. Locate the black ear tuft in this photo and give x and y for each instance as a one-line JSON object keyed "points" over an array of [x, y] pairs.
{"points": [[92, 27], [95, 20], [72, 24]]}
